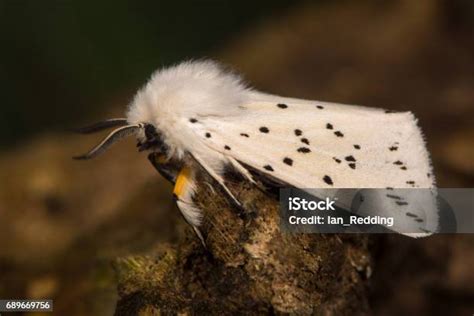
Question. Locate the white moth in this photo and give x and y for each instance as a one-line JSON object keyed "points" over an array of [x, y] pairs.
{"points": [[197, 110]]}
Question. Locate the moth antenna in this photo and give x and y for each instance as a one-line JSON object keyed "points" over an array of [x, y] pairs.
{"points": [[111, 139], [99, 126]]}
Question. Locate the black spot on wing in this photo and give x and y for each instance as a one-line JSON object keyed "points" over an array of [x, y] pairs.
{"points": [[208, 135], [350, 158], [244, 135], [401, 203], [336, 159], [298, 132], [226, 147], [305, 141], [395, 197], [268, 167], [393, 148], [193, 120], [304, 150], [320, 107], [282, 105], [357, 146], [329, 126], [419, 220], [328, 180], [352, 165], [338, 134], [288, 161], [264, 129], [410, 214], [400, 163], [271, 184]]}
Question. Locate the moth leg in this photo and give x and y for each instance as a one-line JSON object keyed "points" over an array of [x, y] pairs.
{"points": [[219, 180], [241, 169], [183, 191], [166, 168]]}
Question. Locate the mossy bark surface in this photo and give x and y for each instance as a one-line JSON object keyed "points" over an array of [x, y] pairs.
{"points": [[249, 266]]}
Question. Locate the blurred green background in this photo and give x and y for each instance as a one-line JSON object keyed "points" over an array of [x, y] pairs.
{"points": [[66, 63], [62, 60]]}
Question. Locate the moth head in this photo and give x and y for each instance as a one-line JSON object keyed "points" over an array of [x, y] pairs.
{"points": [[149, 138], [146, 133]]}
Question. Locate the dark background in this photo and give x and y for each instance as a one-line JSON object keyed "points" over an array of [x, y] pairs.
{"points": [[62, 60], [65, 63]]}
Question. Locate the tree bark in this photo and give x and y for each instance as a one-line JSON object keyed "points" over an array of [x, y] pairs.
{"points": [[248, 267]]}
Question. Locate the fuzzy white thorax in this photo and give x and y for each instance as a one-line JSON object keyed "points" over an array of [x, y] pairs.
{"points": [[192, 89]]}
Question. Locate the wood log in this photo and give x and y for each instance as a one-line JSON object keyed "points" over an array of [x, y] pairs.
{"points": [[248, 265]]}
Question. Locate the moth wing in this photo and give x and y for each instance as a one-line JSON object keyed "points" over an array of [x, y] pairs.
{"points": [[319, 145]]}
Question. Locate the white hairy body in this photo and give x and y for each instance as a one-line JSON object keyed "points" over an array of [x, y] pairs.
{"points": [[207, 112]]}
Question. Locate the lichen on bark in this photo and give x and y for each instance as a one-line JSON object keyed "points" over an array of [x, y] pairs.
{"points": [[249, 266]]}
